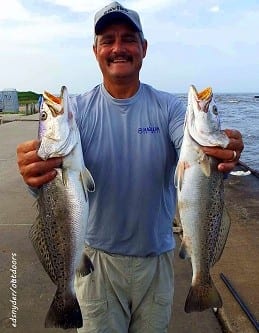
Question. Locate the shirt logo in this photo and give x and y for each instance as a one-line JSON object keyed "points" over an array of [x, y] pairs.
{"points": [[149, 130]]}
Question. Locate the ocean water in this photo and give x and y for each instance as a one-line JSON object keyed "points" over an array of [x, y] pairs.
{"points": [[240, 111]]}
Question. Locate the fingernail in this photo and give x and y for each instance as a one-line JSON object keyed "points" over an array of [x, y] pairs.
{"points": [[221, 167]]}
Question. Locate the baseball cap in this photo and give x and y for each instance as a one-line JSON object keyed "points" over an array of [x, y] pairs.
{"points": [[115, 11]]}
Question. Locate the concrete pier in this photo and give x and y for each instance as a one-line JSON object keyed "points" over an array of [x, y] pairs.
{"points": [[26, 291]]}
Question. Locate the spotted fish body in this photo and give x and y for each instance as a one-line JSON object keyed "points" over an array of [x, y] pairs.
{"points": [[200, 192], [58, 234]]}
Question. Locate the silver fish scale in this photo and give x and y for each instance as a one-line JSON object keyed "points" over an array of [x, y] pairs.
{"points": [[215, 211], [202, 212], [59, 231], [56, 232], [219, 221]]}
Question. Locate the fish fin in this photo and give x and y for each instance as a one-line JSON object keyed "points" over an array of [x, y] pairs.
{"points": [[65, 176], [87, 180], [179, 174], [39, 242], [183, 252], [222, 237], [205, 164], [64, 313], [86, 267], [202, 297]]}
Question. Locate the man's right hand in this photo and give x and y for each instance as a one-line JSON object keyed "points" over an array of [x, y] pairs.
{"points": [[34, 170]]}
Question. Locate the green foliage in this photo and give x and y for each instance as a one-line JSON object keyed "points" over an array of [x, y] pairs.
{"points": [[27, 97]]}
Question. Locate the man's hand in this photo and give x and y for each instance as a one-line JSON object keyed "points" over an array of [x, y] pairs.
{"points": [[34, 170], [229, 157]]}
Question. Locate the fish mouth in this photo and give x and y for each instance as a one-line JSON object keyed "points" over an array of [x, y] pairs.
{"points": [[202, 98], [51, 97], [205, 94], [54, 103]]}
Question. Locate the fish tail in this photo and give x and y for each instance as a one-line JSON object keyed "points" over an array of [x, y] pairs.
{"points": [[202, 297], [64, 313], [85, 267]]}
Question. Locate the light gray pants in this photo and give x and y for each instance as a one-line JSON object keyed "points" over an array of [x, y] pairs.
{"points": [[126, 294]]}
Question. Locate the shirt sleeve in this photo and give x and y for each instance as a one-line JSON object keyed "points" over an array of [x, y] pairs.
{"points": [[176, 123]]}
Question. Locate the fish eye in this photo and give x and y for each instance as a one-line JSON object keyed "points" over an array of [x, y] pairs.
{"points": [[215, 110], [43, 115]]}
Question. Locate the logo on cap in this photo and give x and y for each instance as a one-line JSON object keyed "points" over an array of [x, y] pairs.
{"points": [[116, 8]]}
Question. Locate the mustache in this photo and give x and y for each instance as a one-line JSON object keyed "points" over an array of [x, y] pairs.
{"points": [[119, 56]]}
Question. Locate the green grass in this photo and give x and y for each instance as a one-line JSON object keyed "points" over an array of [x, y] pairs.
{"points": [[27, 97], [9, 112]]}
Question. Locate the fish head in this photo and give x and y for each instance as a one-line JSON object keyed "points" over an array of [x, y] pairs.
{"points": [[56, 125], [203, 118]]}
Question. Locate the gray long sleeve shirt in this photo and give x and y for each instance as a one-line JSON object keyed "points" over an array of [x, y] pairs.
{"points": [[131, 148]]}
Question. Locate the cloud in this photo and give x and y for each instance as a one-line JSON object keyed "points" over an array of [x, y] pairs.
{"points": [[85, 6], [52, 39], [13, 10], [214, 9], [151, 5], [90, 6]]}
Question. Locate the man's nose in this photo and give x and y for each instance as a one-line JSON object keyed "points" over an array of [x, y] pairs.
{"points": [[118, 45]]}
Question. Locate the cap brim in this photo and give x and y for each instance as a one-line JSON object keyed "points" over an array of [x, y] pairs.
{"points": [[111, 18]]}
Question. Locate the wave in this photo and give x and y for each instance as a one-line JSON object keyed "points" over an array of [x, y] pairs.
{"points": [[233, 101]]}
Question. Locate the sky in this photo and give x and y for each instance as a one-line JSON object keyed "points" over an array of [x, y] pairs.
{"points": [[48, 43]]}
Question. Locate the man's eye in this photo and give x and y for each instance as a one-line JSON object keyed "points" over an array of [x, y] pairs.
{"points": [[129, 39], [106, 41]]}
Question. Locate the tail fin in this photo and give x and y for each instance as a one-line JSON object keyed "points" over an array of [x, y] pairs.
{"points": [[64, 313], [85, 267], [202, 297]]}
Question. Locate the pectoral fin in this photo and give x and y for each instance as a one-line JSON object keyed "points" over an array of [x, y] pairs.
{"points": [[86, 267], [179, 174], [65, 176], [87, 181], [204, 161]]}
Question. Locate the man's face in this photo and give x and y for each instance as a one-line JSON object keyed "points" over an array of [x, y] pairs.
{"points": [[119, 52]]}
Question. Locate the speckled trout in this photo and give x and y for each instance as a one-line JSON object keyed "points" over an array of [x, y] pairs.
{"points": [[58, 234], [200, 192]]}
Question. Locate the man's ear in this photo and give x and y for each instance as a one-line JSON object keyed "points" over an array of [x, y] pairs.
{"points": [[144, 46], [95, 50]]}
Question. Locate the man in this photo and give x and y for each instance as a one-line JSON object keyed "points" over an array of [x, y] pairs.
{"points": [[131, 135]]}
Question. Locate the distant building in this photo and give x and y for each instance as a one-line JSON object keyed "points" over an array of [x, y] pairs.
{"points": [[9, 101]]}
